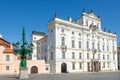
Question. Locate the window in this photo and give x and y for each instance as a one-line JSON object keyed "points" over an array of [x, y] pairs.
{"points": [[73, 66], [108, 65], [73, 55], [80, 56], [103, 48], [98, 56], [92, 45], [107, 57], [80, 65], [98, 46], [113, 56], [7, 57], [73, 44], [103, 64], [93, 56], [63, 55], [34, 38], [79, 44], [113, 48], [51, 55], [63, 41], [72, 32], [107, 48], [51, 30], [87, 45], [86, 22], [103, 57], [62, 30], [79, 34], [87, 55], [7, 68]]}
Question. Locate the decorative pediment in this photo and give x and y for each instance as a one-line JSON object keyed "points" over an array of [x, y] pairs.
{"points": [[92, 15]]}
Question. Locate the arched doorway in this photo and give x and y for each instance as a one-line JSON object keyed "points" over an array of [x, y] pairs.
{"points": [[64, 68], [34, 70]]}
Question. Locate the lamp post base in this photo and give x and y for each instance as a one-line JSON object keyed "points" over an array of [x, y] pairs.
{"points": [[23, 73]]}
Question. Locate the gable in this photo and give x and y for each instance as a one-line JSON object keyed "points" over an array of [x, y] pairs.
{"points": [[5, 43]]}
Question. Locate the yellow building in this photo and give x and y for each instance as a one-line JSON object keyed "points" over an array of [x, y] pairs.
{"points": [[9, 61]]}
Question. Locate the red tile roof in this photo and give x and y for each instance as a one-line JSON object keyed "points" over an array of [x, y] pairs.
{"points": [[8, 50], [4, 42]]}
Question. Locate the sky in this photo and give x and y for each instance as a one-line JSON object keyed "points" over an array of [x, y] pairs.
{"points": [[34, 15]]}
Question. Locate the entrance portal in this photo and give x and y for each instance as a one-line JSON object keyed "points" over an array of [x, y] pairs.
{"points": [[64, 68], [95, 66], [34, 70]]}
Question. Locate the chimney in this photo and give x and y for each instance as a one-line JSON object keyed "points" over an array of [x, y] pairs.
{"points": [[0, 35], [69, 19]]}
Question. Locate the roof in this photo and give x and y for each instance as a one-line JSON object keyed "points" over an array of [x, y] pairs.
{"points": [[8, 50], [4, 42], [38, 33]]}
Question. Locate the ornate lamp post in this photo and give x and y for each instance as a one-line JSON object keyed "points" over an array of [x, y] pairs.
{"points": [[23, 50]]}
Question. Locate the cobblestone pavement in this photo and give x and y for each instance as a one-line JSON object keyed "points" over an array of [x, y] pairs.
{"points": [[68, 76]]}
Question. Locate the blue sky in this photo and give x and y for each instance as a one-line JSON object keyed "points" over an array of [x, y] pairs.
{"points": [[35, 14]]}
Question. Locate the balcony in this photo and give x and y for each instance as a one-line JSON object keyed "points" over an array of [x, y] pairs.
{"points": [[99, 50], [63, 48], [94, 51], [88, 49]]}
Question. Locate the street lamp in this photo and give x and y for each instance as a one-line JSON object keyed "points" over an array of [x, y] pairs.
{"points": [[23, 50]]}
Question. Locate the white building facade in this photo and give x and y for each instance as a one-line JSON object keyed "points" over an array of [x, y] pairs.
{"points": [[81, 45], [35, 36]]}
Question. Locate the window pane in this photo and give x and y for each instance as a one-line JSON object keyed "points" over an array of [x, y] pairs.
{"points": [[7, 67], [7, 58]]}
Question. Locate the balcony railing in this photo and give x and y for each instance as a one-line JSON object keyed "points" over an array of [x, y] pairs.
{"points": [[64, 48]]}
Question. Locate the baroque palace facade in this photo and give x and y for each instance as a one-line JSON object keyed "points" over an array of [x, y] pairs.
{"points": [[76, 46]]}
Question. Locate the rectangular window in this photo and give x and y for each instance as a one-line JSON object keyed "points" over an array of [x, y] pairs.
{"points": [[107, 57], [7, 68], [103, 64], [87, 55], [92, 45], [113, 56], [107, 48], [98, 46], [108, 65], [73, 44], [63, 55], [79, 44], [63, 41], [103, 57], [51, 55], [87, 45], [7, 57], [113, 48], [72, 32], [98, 56], [80, 65], [73, 66], [103, 48], [73, 55], [93, 56], [86, 22], [80, 56]]}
